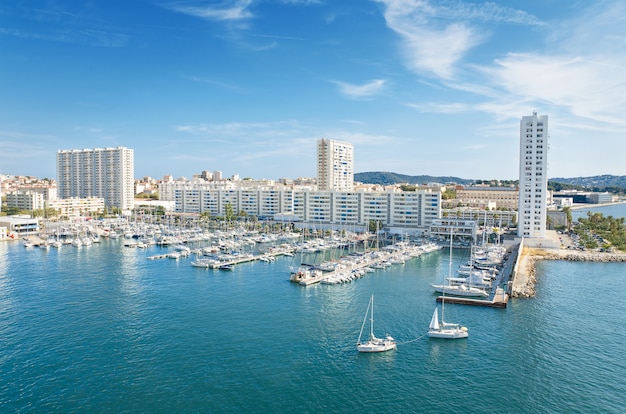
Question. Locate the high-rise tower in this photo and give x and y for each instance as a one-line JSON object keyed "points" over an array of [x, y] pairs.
{"points": [[335, 165], [107, 173], [533, 178]]}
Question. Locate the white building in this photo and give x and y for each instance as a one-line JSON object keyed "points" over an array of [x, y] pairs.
{"points": [[78, 207], [26, 200], [107, 173], [335, 165], [533, 178], [401, 212]]}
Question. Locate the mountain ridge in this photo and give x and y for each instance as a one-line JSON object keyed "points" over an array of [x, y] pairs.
{"points": [[388, 177]]}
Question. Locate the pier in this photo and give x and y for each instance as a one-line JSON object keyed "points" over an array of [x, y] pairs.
{"points": [[499, 300], [499, 297]]}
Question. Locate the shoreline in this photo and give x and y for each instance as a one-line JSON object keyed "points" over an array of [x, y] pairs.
{"points": [[525, 279], [582, 206]]}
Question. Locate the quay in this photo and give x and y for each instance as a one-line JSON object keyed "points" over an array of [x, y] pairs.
{"points": [[499, 300]]}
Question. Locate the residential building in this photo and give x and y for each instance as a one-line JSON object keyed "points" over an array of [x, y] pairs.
{"points": [[533, 178], [401, 212], [26, 200], [335, 165], [77, 207], [101, 172]]}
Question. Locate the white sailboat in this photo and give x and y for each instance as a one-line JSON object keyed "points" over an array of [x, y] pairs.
{"points": [[459, 288], [446, 330], [374, 344]]}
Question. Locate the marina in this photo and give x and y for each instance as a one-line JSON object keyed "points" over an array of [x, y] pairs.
{"points": [[150, 327]]}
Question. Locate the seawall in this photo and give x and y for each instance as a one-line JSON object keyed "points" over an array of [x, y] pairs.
{"points": [[525, 277]]}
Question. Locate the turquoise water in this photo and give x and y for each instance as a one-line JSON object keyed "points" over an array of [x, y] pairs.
{"points": [[103, 329]]}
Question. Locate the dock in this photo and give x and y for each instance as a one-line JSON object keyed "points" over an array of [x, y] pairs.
{"points": [[499, 300]]}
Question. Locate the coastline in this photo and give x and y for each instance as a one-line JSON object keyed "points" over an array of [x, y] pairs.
{"points": [[582, 206], [525, 278]]}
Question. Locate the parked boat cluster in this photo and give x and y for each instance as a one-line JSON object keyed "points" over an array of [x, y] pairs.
{"points": [[355, 265], [476, 277]]}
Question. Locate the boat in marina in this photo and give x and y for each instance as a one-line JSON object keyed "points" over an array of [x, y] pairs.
{"points": [[456, 287], [374, 344], [460, 290], [446, 330]]}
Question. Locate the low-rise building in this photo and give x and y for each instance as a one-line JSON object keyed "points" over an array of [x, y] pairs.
{"points": [[20, 225], [485, 197], [77, 207]]}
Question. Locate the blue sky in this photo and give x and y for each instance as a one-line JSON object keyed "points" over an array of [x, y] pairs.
{"points": [[248, 86]]}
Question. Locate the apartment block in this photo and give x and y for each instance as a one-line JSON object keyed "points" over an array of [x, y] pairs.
{"points": [[101, 172], [533, 178], [335, 165]]}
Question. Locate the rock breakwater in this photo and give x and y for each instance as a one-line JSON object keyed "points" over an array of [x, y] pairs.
{"points": [[525, 279]]}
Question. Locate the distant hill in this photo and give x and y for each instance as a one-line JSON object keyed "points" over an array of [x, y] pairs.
{"points": [[597, 181], [386, 178], [611, 183]]}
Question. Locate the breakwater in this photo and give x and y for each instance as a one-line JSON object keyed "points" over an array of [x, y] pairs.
{"points": [[525, 279]]}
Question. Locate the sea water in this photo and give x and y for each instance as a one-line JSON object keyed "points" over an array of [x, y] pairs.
{"points": [[104, 329]]}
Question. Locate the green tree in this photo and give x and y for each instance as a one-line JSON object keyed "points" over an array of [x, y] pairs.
{"points": [[229, 213]]}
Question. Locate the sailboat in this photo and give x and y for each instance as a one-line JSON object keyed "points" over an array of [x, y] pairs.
{"points": [[374, 344], [446, 330], [457, 288]]}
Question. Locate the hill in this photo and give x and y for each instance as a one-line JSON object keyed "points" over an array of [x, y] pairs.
{"points": [[597, 181], [386, 178], [610, 183]]}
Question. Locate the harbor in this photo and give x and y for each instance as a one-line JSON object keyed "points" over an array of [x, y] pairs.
{"points": [[152, 328]]}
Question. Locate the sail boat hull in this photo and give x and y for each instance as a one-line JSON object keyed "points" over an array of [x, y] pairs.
{"points": [[449, 333], [377, 345]]}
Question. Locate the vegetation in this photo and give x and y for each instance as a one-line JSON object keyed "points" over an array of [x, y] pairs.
{"points": [[449, 194], [387, 178], [153, 196], [599, 231]]}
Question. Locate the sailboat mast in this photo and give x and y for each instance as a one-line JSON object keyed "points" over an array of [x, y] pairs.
{"points": [[372, 318]]}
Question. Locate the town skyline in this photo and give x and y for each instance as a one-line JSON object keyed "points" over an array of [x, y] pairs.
{"points": [[249, 87]]}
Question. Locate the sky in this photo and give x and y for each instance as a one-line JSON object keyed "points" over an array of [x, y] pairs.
{"points": [[247, 87]]}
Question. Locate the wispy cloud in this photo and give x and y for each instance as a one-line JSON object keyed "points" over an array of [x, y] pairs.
{"points": [[445, 108], [437, 35], [226, 11], [364, 91], [221, 85], [90, 37]]}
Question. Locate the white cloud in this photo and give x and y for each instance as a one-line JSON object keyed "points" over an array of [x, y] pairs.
{"points": [[227, 11], [437, 35], [366, 90]]}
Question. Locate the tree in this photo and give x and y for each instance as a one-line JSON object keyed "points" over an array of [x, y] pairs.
{"points": [[375, 225], [229, 213], [568, 216]]}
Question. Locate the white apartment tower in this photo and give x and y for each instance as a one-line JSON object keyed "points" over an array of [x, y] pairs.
{"points": [[335, 165], [108, 173], [533, 178]]}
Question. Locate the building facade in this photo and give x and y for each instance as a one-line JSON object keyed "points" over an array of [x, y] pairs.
{"points": [[484, 197], [78, 207], [533, 178], [402, 212], [107, 173], [26, 200], [335, 165]]}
